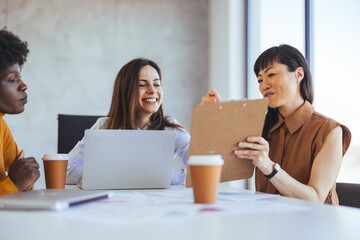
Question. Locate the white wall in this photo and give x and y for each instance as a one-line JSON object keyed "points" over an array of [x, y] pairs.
{"points": [[228, 48], [77, 48]]}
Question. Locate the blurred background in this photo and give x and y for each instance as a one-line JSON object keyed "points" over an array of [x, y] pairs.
{"points": [[78, 47]]}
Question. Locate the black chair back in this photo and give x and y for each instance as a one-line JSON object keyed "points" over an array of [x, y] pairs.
{"points": [[71, 130], [349, 194]]}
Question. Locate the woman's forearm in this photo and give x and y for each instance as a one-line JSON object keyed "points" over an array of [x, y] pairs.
{"points": [[289, 187]]}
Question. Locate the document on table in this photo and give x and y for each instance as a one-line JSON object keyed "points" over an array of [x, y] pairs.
{"points": [[132, 207], [239, 197]]}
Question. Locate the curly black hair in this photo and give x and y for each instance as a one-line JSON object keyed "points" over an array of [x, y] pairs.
{"points": [[12, 50]]}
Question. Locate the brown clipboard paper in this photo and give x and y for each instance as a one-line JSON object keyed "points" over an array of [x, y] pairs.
{"points": [[217, 129]]}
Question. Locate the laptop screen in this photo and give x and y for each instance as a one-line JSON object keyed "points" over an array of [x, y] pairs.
{"points": [[128, 159]]}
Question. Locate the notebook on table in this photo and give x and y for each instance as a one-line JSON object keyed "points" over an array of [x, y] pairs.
{"points": [[127, 159], [50, 199]]}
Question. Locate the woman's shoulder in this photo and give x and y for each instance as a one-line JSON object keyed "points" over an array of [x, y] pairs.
{"points": [[322, 125], [100, 123], [2, 122], [173, 121], [4, 128], [322, 120], [182, 136], [327, 124]]}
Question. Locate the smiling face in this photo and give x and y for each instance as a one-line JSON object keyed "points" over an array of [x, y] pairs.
{"points": [[281, 86], [150, 92], [12, 91]]}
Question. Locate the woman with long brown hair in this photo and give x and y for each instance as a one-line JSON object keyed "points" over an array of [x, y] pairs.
{"points": [[300, 151], [136, 104]]}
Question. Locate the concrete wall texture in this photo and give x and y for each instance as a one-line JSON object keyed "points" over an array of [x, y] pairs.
{"points": [[78, 47]]}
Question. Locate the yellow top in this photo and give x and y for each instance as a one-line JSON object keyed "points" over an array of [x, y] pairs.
{"points": [[8, 153]]}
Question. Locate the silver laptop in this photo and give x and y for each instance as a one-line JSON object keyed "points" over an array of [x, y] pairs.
{"points": [[127, 159], [50, 199]]}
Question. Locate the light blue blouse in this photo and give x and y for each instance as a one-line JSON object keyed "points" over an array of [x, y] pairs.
{"points": [[76, 155]]}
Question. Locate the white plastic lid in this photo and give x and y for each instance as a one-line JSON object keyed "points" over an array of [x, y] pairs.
{"points": [[204, 160], [49, 157]]}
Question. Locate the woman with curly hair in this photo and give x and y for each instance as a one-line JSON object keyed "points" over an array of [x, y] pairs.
{"points": [[17, 173], [137, 105]]}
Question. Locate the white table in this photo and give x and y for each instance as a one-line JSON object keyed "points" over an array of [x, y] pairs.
{"points": [[171, 214]]}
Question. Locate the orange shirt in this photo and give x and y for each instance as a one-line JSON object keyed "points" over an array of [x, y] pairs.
{"points": [[8, 153], [294, 143]]}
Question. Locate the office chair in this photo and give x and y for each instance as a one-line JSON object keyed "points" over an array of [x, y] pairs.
{"points": [[71, 129], [349, 194]]}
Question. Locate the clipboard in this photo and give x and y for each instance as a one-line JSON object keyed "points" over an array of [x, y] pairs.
{"points": [[217, 129]]}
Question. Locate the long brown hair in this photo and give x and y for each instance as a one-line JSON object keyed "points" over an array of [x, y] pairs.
{"points": [[292, 58], [122, 113]]}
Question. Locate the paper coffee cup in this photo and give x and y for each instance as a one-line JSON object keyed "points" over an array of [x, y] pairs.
{"points": [[205, 173], [55, 166]]}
